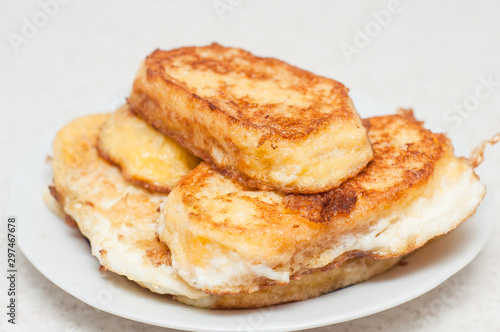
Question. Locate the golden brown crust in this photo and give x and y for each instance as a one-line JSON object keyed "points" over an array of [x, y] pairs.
{"points": [[412, 166], [278, 127], [158, 253], [237, 125]]}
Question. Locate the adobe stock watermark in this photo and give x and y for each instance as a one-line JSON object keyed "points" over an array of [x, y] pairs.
{"points": [[224, 6], [254, 320], [449, 296], [460, 111], [372, 29], [30, 28], [102, 299]]}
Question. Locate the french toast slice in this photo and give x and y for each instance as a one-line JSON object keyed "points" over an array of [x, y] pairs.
{"points": [[260, 121], [145, 156], [119, 220], [227, 239]]}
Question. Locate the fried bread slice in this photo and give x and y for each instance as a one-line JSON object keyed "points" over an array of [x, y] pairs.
{"points": [[261, 121], [119, 220], [145, 156], [227, 239]]}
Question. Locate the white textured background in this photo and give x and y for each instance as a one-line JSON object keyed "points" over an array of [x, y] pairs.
{"points": [[431, 56]]}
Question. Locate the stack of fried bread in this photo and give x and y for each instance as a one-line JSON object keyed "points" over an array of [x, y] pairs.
{"points": [[234, 181]]}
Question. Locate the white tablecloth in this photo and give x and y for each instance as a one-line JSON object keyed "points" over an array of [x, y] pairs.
{"points": [[60, 59]]}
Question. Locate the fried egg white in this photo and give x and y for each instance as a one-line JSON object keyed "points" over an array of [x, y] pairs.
{"points": [[118, 218]]}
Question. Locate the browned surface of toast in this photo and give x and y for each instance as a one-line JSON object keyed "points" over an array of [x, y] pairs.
{"points": [[261, 121], [406, 155]]}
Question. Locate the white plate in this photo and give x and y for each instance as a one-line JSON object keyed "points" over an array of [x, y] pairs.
{"points": [[63, 256]]}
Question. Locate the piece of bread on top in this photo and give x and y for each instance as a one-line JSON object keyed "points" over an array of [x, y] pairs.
{"points": [[260, 121]]}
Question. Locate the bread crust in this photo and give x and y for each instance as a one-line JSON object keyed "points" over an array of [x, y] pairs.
{"points": [[225, 111]]}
